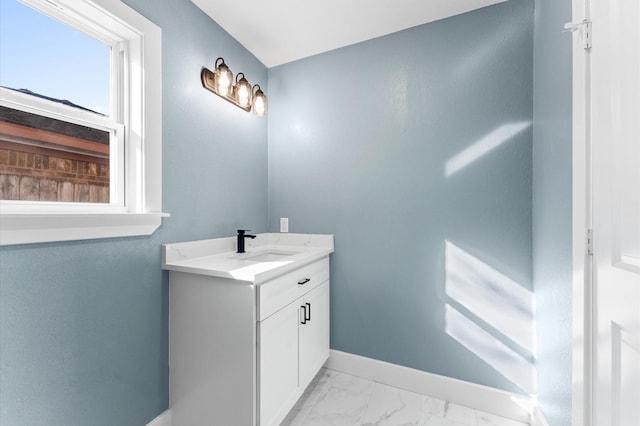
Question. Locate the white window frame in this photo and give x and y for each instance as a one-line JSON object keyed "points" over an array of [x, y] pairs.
{"points": [[137, 206]]}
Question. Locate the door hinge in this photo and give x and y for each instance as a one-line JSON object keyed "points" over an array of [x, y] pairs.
{"points": [[589, 242], [585, 31]]}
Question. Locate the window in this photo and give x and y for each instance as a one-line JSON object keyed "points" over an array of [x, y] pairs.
{"points": [[80, 130], [57, 128]]}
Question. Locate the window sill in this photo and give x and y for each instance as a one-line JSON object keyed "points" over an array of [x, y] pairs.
{"points": [[28, 228]]}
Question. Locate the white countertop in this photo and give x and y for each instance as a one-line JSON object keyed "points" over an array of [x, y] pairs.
{"points": [[217, 257]]}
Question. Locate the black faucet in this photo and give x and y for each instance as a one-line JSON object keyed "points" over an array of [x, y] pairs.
{"points": [[241, 237]]}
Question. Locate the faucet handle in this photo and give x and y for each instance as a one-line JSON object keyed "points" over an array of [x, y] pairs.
{"points": [[242, 234]]}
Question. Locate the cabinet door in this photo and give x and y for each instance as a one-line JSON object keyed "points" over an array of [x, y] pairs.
{"points": [[314, 333], [278, 364]]}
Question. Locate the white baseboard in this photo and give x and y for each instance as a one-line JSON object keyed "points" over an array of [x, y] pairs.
{"points": [[491, 400], [163, 419]]}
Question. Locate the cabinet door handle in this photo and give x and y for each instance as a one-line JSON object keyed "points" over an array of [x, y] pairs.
{"points": [[304, 281], [304, 315], [308, 311]]}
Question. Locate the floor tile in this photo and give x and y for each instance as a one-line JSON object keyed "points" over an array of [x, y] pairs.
{"points": [[339, 399], [432, 407], [487, 419], [441, 421], [342, 401], [300, 411], [460, 414], [390, 406]]}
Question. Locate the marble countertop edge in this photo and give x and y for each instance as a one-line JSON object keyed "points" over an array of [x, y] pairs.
{"points": [[218, 258]]}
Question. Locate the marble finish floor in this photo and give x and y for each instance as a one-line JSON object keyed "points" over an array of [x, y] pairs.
{"points": [[335, 398]]}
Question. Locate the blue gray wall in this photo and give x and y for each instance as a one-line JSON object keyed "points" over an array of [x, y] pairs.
{"points": [[83, 326], [397, 146], [552, 238]]}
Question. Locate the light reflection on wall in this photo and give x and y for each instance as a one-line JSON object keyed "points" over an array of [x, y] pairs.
{"points": [[484, 145], [491, 315]]}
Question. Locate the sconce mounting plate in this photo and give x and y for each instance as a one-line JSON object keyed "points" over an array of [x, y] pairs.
{"points": [[207, 77]]}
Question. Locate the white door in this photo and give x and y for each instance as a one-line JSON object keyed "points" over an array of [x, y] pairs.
{"points": [[615, 137]]}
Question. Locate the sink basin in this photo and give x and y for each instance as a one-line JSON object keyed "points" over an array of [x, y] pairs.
{"points": [[269, 257], [266, 256]]}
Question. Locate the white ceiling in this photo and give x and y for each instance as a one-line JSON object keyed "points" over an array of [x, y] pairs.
{"points": [[281, 31]]}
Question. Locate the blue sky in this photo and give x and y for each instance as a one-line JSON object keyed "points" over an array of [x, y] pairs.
{"points": [[47, 57]]}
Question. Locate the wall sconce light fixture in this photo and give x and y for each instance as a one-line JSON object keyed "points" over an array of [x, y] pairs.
{"points": [[241, 94]]}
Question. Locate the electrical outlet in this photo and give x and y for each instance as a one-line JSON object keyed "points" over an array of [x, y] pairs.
{"points": [[284, 224]]}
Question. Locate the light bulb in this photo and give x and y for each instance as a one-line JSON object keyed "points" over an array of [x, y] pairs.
{"points": [[243, 95], [258, 106], [224, 77], [259, 101], [224, 83], [243, 91]]}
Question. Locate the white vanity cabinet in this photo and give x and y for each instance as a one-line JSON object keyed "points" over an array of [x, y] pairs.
{"points": [[314, 334], [242, 352], [293, 340]]}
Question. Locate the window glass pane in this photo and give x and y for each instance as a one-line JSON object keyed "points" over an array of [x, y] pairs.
{"points": [[52, 60], [44, 159]]}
